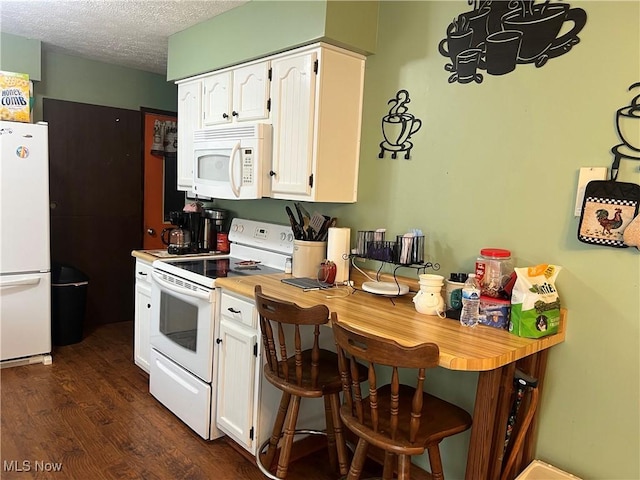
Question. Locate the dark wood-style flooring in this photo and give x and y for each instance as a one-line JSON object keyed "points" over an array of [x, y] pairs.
{"points": [[92, 413]]}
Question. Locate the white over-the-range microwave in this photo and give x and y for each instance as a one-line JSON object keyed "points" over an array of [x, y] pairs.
{"points": [[232, 161]]}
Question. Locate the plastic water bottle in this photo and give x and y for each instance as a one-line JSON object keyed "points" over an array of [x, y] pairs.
{"points": [[470, 302]]}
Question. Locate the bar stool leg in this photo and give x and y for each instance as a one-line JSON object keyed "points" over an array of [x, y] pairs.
{"points": [[277, 430], [435, 462], [287, 437], [389, 463], [334, 424], [359, 456], [404, 467]]}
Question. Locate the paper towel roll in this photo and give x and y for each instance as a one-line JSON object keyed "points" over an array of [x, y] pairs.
{"points": [[338, 248]]}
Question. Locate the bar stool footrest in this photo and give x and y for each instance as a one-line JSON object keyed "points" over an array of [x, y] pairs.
{"points": [[265, 444]]}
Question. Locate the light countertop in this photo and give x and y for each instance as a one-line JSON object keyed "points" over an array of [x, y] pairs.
{"points": [[461, 348]]}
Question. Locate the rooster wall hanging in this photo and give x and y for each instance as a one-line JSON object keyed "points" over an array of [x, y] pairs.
{"points": [[610, 208], [497, 35], [398, 126]]}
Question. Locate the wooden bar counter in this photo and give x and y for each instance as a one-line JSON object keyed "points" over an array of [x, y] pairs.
{"points": [[493, 352]]}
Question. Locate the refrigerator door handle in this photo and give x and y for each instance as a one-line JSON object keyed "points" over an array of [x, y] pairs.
{"points": [[19, 281]]}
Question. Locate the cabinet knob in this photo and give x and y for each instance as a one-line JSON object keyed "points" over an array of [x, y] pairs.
{"points": [[148, 305], [218, 340], [151, 231], [234, 113], [224, 115], [272, 173]]}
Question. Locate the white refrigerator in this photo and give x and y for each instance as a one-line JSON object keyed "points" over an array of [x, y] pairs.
{"points": [[25, 264]]}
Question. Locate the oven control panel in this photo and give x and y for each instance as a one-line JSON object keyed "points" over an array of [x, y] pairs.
{"points": [[270, 236]]}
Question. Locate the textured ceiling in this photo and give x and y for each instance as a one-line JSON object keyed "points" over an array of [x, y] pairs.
{"points": [[122, 32]]}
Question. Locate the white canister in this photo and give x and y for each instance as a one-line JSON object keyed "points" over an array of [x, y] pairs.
{"points": [[307, 257]]}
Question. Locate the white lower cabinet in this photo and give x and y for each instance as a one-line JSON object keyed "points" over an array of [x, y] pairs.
{"points": [[236, 382], [247, 404], [142, 318], [237, 350]]}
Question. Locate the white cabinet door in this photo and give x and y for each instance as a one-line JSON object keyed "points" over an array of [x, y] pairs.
{"points": [[316, 112], [142, 318], [189, 119], [216, 98], [236, 405], [251, 92], [293, 98], [236, 95]]}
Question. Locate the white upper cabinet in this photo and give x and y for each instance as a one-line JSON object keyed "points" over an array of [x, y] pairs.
{"points": [[216, 98], [293, 90], [189, 119], [316, 112], [313, 98], [236, 95]]}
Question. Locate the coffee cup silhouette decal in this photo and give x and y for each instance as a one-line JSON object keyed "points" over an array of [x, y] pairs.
{"points": [[628, 122], [628, 129], [510, 33], [398, 126]]}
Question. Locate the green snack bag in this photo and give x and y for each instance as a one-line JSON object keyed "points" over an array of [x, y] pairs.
{"points": [[535, 304]]}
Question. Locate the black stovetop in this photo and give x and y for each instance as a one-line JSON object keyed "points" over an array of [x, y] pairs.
{"points": [[222, 267]]}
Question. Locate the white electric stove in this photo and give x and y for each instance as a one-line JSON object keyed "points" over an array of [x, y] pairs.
{"points": [[183, 318]]}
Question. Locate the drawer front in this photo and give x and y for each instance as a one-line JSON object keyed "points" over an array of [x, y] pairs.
{"points": [[238, 309], [143, 271], [188, 397]]}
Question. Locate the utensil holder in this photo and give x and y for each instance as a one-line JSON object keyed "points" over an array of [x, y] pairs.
{"points": [[364, 241], [410, 250], [307, 257], [384, 251]]}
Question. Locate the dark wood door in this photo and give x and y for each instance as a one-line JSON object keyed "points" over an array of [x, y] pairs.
{"points": [[96, 200]]}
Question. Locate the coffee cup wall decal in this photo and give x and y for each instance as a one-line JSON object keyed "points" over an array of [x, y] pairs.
{"points": [[628, 129], [510, 33], [398, 126], [628, 122]]}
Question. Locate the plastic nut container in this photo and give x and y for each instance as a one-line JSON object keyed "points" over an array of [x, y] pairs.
{"points": [[493, 269]]}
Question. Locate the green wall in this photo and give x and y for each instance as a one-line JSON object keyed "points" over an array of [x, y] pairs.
{"points": [[75, 79], [259, 28], [19, 54], [496, 165]]}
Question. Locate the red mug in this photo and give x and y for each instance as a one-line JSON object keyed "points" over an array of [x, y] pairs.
{"points": [[327, 272]]}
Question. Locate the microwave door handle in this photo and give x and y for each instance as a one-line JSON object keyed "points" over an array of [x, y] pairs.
{"points": [[234, 152]]}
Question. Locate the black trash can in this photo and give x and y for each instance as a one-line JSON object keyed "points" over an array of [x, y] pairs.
{"points": [[68, 304]]}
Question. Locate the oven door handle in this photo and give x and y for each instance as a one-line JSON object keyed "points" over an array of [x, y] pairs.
{"points": [[184, 291]]}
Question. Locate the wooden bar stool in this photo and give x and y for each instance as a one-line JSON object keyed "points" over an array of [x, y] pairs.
{"points": [[399, 419], [310, 373]]}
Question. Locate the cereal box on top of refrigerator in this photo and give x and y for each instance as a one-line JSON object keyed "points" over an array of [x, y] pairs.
{"points": [[15, 93]]}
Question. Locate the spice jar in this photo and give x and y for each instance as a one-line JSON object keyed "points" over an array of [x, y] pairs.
{"points": [[493, 270]]}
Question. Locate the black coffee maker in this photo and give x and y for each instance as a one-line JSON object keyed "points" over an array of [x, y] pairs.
{"points": [[194, 232], [194, 225]]}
